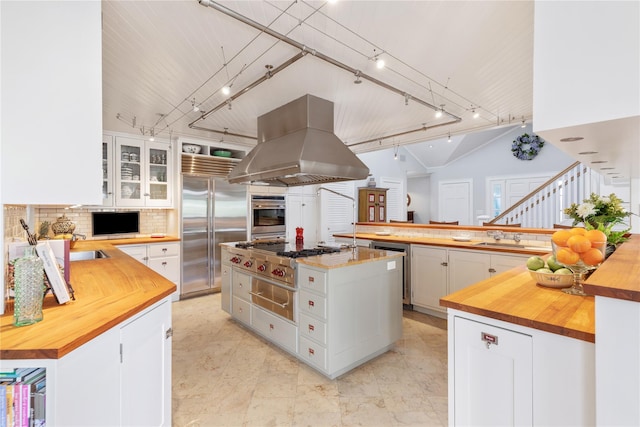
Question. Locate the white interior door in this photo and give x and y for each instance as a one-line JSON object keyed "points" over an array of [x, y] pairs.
{"points": [[455, 202], [396, 198]]}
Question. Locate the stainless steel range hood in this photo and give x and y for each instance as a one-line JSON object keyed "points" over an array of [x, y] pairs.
{"points": [[297, 146]]}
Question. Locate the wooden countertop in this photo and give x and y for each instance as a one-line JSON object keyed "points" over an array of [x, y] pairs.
{"points": [[619, 276], [348, 257], [448, 242], [140, 240], [108, 291], [515, 297]]}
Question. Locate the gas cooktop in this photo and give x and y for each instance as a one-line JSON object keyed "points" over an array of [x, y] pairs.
{"points": [[284, 249]]}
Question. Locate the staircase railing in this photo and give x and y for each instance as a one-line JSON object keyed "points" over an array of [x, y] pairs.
{"points": [[543, 207]]}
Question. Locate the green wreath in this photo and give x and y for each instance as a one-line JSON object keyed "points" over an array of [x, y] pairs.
{"points": [[526, 147]]}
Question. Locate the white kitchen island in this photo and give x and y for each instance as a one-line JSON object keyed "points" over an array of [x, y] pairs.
{"points": [[347, 307]]}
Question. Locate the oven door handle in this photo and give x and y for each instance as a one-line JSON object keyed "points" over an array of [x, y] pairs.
{"points": [[259, 295]]}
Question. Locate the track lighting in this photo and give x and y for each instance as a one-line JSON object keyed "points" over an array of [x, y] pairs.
{"points": [[395, 153], [440, 111], [449, 138], [475, 113], [524, 124], [357, 80], [380, 63], [151, 138], [194, 107], [226, 90]]}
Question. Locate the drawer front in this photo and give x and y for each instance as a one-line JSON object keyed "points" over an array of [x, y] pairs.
{"points": [[313, 329], [139, 252], [168, 267], [274, 328], [241, 310], [164, 249], [311, 279], [312, 304], [241, 285], [313, 353]]}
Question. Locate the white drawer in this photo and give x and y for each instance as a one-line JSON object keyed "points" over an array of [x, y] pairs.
{"points": [[241, 286], [312, 304], [274, 328], [168, 267], [313, 353], [312, 328], [164, 249], [311, 279], [241, 310]]}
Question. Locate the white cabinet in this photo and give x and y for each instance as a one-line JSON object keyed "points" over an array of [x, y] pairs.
{"points": [[225, 286], [302, 211], [52, 53], [120, 378], [429, 273], [107, 171], [506, 374], [163, 258], [143, 172], [437, 272], [493, 375]]}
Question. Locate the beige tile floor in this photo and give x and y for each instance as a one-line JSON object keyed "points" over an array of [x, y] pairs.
{"points": [[224, 375]]}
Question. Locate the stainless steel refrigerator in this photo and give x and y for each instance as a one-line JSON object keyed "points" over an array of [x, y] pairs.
{"points": [[213, 212]]}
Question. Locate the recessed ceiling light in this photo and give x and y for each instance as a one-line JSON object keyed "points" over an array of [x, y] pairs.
{"points": [[598, 162], [572, 139], [587, 152]]}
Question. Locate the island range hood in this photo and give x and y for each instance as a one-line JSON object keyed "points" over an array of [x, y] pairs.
{"points": [[297, 146]]}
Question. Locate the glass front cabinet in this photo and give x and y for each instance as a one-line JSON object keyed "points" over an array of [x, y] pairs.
{"points": [[107, 170], [143, 172]]}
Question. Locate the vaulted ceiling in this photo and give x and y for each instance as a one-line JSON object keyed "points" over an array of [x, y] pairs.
{"points": [[160, 58]]}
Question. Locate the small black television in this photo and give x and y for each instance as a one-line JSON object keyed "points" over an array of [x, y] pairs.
{"points": [[108, 223]]}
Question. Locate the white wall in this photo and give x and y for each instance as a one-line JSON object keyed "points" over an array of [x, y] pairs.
{"points": [[494, 159]]}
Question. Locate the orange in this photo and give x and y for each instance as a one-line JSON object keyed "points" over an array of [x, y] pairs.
{"points": [[578, 231], [597, 238], [579, 243], [560, 237], [566, 256], [592, 257]]}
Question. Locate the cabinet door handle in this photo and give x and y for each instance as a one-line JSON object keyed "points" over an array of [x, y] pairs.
{"points": [[444, 263], [164, 263], [489, 339], [492, 270], [169, 333]]}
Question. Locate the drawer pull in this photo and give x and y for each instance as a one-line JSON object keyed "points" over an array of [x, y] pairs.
{"points": [[311, 328], [311, 303], [492, 270], [259, 295], [311, 351], [164, 263], [271, 326], [311, 279], [489, 339]]}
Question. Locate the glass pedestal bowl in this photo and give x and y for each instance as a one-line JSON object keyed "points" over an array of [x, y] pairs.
{"points": [[580, 263]]}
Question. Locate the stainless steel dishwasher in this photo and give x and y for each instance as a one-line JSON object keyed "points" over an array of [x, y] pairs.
{"points": [[406, 270]]}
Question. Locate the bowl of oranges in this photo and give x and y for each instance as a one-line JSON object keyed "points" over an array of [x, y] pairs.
{"points": [[580, 250]]}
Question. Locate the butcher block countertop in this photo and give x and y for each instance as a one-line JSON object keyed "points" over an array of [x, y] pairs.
{"points": [[619, 276], [515, 297], [108, 291], [348, 257]]}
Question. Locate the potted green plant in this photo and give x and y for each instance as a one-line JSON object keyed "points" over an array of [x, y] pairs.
{"points": [[602, 213]]}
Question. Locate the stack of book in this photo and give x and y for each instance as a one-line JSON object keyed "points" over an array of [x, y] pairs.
{"points": [[23, 397]]}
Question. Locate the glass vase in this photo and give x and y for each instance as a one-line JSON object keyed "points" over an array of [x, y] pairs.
{"points": [[29, 288]]}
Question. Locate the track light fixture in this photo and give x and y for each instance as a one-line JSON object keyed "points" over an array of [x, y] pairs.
{"points": [[475, 113], [379, 61], [449, 137], [194, 107], [395, 153], [440, 111], [357, 80], [152, 135], [226, 90], [524, 124]]}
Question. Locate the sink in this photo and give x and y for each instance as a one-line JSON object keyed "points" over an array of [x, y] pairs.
{"points": [[86, 255], [512, 245]]}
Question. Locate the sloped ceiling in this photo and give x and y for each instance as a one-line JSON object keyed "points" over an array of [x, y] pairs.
{"points": [[161, 57]]}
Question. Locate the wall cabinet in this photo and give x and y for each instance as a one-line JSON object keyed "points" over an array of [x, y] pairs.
{"points": [[120, 378], [372, 204], [506, 374], [143, 173], [107, 171], [437, 272]]}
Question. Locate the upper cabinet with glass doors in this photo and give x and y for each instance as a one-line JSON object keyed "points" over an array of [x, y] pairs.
{"points": [[143, 173], [107, 170]]}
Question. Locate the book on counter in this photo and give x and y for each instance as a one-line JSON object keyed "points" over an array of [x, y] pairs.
{"points": [[58, 284]]}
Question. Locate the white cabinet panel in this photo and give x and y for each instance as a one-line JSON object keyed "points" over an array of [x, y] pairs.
{"points": [[429, 276], [493, 376], [312, 304], [467, 268], [241, 310], [274, 328]]}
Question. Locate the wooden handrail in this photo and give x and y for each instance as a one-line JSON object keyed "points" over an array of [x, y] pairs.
{"points": [[526, 198]]}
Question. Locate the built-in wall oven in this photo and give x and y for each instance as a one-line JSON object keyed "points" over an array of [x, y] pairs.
{"points": [[268, 217], [406, 270]]}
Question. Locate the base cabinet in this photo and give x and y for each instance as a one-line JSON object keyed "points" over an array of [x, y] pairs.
{"points": [[120, 378], [506, 374], [163, 258], [437, 272]]}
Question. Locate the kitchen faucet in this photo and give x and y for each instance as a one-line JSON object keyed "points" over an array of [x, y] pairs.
{"points": [[497, 234], [353, 200]]}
